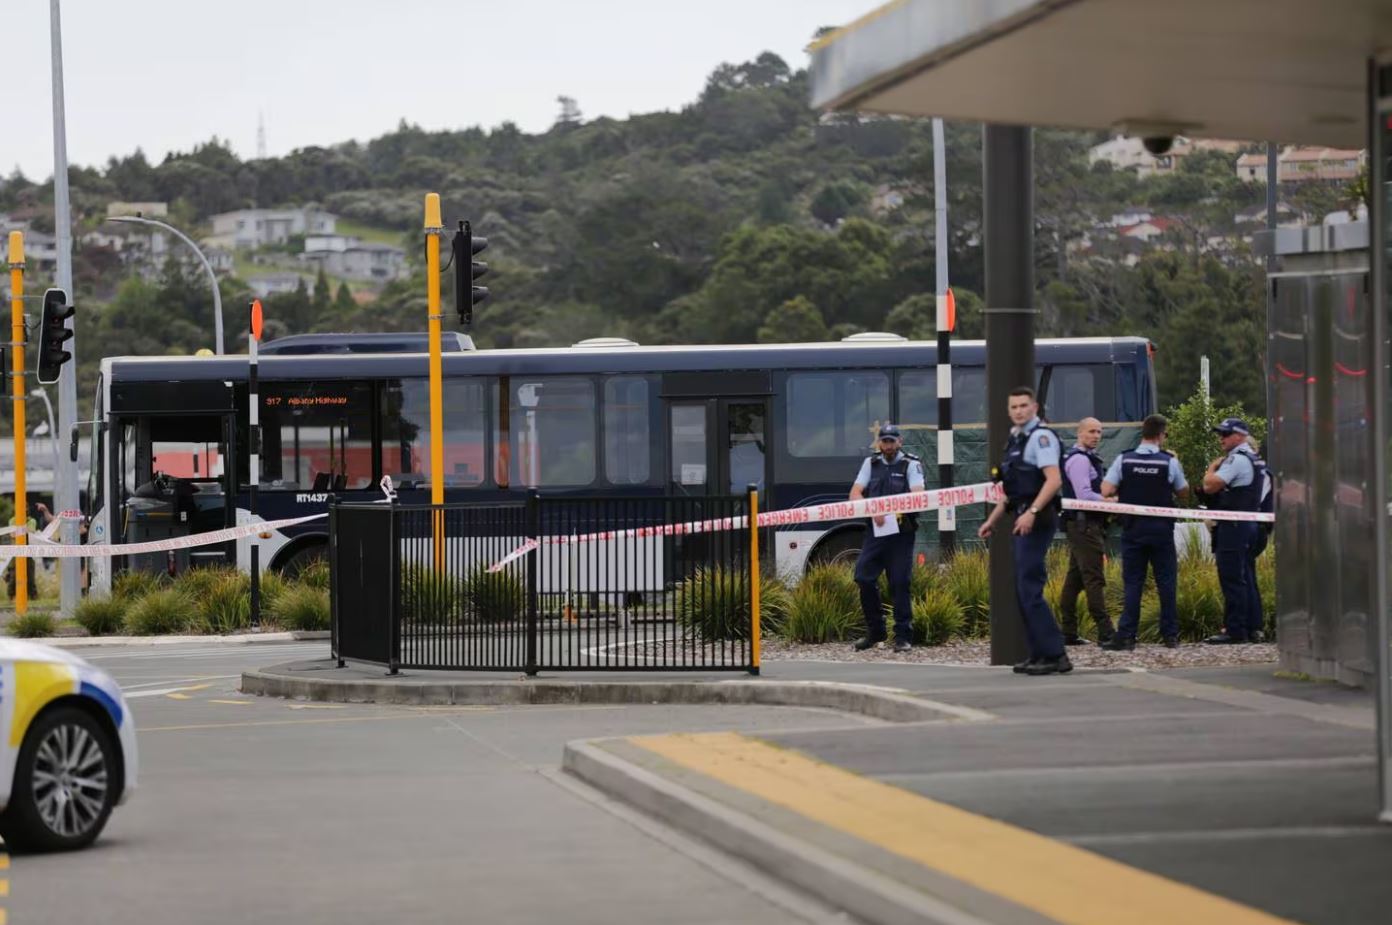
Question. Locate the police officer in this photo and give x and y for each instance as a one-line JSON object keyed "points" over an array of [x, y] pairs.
{"points": [[1087, 536], [1234, 482], [1029, 473], [1267, 505], [891, 471], [1150, 476]]}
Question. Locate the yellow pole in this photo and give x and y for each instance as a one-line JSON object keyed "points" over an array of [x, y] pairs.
{"points": [[434, 229], [21, 564], [755, 631]]}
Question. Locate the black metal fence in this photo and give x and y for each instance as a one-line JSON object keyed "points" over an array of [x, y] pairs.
{"points": [[613, 584]]}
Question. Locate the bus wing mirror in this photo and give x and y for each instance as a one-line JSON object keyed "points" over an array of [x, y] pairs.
{"points": [[72, 444]]}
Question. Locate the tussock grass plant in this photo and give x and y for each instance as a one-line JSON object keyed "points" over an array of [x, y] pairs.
{"points": [[428, 596], [1198, 595], [495, 597], [131, 585], [33, 625], [824, 607], [938, 617], [100, 615], [714, 604], [225, 606], [301, 607], [775, 601], [315, 575], [967, 577], [163, 611], [198, 583]]}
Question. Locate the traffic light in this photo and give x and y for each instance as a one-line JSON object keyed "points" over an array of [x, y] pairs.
{"points": [[52, 333], [466, 269]]}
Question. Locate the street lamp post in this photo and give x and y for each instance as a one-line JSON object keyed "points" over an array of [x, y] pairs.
{"points": [[52, 429], [207, 267]]}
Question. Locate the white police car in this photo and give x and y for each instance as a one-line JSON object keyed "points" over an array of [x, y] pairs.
{"points": [[67, 748]]}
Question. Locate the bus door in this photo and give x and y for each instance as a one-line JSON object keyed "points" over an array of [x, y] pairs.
{"points": [[717, 446], [176, 479]]}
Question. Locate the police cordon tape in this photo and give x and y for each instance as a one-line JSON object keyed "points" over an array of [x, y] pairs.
{"points": [[49, 550], [912, 503], [1178, 513]]}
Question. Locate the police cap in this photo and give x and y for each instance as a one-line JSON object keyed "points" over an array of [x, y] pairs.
{"points": [[1232, 426], [889, 431]]}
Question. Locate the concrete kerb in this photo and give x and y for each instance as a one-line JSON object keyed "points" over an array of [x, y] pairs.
{"points": [[888, 704], [239, 639], [840, 882]]}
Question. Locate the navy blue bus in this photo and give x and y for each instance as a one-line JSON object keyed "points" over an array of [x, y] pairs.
{"points": [[604, 417]]}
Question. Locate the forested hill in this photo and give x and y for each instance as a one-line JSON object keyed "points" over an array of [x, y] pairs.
{"points": [[743, 216]]}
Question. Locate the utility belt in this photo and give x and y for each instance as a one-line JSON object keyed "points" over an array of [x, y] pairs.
{"points": [[1018, 506]]}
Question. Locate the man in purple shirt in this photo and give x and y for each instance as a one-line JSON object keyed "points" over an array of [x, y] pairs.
{"points": [[1087, 534]]}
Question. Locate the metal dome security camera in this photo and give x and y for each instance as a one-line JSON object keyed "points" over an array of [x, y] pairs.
{"points": [[1157, 137], [1158, 144]]}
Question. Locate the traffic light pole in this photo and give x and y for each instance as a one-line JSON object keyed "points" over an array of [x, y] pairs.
{"points": [[434, 230], [65, 492], [21, 563]]}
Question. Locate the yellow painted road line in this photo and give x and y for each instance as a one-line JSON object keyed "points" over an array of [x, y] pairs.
{"points": [[1064, 883], [4, 860], [4, 887]]}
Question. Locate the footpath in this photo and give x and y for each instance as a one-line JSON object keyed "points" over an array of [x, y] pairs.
{"points": [[1206, 795]]}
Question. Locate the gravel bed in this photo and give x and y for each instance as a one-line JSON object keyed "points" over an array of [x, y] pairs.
{"points": [[1188, 655]]}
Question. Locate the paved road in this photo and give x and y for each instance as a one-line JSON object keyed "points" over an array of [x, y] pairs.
{"points": [[258, 810]]}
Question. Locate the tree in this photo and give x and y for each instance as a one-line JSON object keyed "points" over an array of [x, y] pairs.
{"points": [[1190, 433], [914, 318], [796, 321], [343, 301], [320, 302], [570, 115], [837, 200]]}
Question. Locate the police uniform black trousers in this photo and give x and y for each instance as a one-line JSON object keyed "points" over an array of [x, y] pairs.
{"points": [[892, 555], [1232, 551]]}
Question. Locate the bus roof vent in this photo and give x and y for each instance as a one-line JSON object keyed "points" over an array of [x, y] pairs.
{"points": [[874, 337], [605, 342]]}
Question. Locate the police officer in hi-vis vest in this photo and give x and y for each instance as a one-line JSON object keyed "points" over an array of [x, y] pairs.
{"points": [[1147, 475], [1030, 476], [1235, 482], [889, 540]]}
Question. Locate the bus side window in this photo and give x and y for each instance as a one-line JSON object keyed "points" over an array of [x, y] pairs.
{"points": [[1077, 391], [406, 450], [1128, 398], [834, 414], [628, 447], [552, 440]]}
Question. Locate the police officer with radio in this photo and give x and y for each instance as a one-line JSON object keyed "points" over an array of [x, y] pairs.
{"points": [[1150, 476], [889, 543], [1030, 476], [1234, 482]]}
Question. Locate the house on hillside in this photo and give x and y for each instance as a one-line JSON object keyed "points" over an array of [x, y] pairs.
{"points": [[349, 258], [147, 209], [263, 286], [251, 228], [1126, 153], [1303, 164]]}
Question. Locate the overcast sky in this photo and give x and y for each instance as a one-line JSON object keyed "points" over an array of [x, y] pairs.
{"points": [[164, 75]]}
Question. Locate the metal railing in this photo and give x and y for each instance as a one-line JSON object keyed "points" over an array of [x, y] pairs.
{"points": [[602, 591]]}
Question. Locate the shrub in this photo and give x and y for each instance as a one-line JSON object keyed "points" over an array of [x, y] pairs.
{"points": [[1190, 433], [302, 607], [272, 586], [159, 612], [824, 607], [315, 574], [225, 606], [937, 617], [714, 604], [33, 625], [967, 578], [198, 583], [131, 585], [428, 596], [100, 616], [495, 597], [1266, 584], [775, 600], [1198, 596]]}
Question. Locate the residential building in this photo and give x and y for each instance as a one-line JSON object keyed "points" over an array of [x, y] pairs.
{"points": [[1303, 164], [1126, 153], [147, 209], [263, 286], [251, 228], [359, 261]]}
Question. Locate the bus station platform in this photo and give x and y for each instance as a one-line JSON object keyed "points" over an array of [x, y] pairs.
{"points": [[973, 795]]}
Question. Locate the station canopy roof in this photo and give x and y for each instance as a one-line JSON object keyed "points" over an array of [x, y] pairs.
{"points": [[1290, 71]]}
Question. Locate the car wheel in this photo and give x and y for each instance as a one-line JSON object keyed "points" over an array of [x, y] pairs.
{"points": [[842, 548], [67, 779]]}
